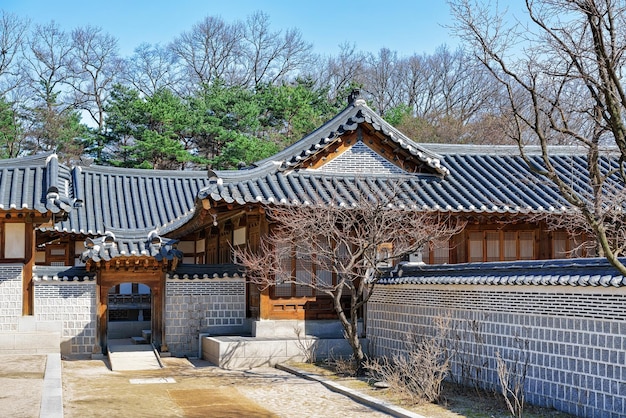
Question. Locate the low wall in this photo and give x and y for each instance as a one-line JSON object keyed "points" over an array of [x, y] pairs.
{"points": [[573, 339], [246, 352], [214, 306], [73, 304], [11, 296], [31, 337]]}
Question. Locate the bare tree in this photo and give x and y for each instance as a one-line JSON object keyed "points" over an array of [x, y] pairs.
{"points": [[13, 32], [211, 50], [413, 74], [382, 81], [272, 56], [341, 250], [96, 65], [45, 66], [562, 70], [47, 62], [341, 73], [150, 68]]}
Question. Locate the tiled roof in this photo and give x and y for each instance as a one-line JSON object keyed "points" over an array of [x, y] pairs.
{"points": [[129, 204], [200, 271], [462, 179], [36, 183], [62, 274], [182, 272], [568, 272], [132, 204], [477, 183], [131, 243]]}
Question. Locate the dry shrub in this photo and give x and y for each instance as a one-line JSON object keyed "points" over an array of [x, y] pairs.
{"points": [[342, 366], [418, 374], [512, 378]]}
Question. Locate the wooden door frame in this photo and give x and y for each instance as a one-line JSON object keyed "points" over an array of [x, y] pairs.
{"points": [[154, 279]]}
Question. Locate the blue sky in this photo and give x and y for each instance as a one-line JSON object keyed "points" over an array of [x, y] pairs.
{"points": [[405, 26]]}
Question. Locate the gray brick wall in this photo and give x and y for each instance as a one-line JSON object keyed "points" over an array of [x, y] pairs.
{"points": [[213, 306], [361, 159], [573, 340], [74, 304], [10, 295]]}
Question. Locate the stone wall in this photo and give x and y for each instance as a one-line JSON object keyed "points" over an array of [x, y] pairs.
{"points": [[11, 296], [361, 159], [72, 303], [573, 339], [202, 306]]}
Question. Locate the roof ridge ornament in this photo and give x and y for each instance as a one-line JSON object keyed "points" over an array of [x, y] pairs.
{"points": [[355, 98]]}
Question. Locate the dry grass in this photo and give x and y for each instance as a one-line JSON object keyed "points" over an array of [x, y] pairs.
{"points": [[455, 401]]}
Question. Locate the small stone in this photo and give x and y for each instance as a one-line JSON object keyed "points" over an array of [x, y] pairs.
{"points": [[381, 385]]}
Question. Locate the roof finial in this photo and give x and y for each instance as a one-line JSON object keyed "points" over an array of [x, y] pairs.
{"points": [[354, 98]]}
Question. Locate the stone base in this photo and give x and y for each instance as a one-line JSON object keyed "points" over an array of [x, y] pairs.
{"points": [[298, 329], [249, 352], [32, 337]]}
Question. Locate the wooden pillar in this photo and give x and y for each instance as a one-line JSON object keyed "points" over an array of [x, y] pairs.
{"points": [[28, 292], [158, 312], [102, 320], [265, 304]]}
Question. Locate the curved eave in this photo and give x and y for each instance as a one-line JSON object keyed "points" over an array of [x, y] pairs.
{"points": [[421, 193]]}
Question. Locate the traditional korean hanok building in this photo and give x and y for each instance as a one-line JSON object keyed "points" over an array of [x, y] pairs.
{"points": [[153, 250], [35, 192]]}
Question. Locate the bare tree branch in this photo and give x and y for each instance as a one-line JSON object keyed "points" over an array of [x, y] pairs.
{"points": [[342, 251], [562, 73]]}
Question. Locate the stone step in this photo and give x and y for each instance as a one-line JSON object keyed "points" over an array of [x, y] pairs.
{"points": [[139, 340], [127, 355]]}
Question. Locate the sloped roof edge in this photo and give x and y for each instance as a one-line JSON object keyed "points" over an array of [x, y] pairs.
{"points": [[347, 120]]}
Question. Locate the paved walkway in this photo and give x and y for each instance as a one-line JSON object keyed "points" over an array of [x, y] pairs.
{"points": [[52, 394]]}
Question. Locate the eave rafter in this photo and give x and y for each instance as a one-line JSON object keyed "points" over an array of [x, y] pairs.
{"points": [[135, 263], [27, 216]]}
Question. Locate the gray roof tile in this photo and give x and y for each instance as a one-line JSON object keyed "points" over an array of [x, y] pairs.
{"points": [[569, 272], [62, 273], [489, 183], [126, 200], [36, 183]]}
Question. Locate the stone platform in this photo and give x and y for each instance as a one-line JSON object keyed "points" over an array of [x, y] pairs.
{"points": [[235, 352]]}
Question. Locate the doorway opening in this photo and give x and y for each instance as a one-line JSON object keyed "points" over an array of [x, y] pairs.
{"points": [[129, 310]]}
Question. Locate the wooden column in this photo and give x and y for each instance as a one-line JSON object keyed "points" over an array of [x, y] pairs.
{"points": [[158, 312], [102, 320], [28, 292]]}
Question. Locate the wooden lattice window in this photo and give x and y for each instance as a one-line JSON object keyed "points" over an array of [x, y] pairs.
{"points": [[493, 245]]}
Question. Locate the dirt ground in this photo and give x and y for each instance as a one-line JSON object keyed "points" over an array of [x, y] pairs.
{"points": [[91, 389], [198, 389], [456, 401], [194, 388], [21, 380]]}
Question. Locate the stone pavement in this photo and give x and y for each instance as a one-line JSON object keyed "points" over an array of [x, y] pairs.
{"points": [[52, 394]]}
